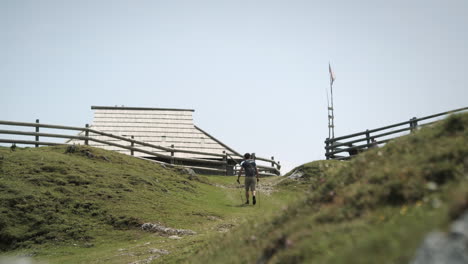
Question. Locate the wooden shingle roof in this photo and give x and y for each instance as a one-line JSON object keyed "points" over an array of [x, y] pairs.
{"points": [[158, 126]]}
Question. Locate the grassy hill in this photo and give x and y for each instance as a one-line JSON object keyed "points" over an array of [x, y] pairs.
{"points": [[376, 208], [88, 206]]}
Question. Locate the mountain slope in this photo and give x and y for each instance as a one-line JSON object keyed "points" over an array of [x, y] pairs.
{"points": [[376, 208], [88, 206], [50, 195]]}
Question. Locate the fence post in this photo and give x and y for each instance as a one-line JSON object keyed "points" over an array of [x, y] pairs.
{"points": [[272, 161], [368, 137], [37, 131], [86, 135], [172, 155], [226, 162], [132, 145], [413, 124], [327, 145]]}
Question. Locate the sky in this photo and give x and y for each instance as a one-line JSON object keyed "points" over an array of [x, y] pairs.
{"points": [[256, 72]]}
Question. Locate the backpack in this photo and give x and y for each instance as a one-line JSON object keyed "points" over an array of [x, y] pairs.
{"points": [[249, 167]]}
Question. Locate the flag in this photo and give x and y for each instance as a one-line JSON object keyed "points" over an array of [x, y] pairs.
{"points": [[332, 75]]}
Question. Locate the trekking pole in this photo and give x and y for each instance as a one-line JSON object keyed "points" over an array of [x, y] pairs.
{"points": [[257, 194], [240, 191]]}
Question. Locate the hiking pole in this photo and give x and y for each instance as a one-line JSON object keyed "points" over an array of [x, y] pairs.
{"points": [[257, 194], [240, 191]]}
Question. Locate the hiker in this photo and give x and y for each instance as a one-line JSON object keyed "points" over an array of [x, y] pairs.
{"points": [[251, 172]]}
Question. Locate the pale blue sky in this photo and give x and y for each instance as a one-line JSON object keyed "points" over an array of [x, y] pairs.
{"points": [[255, 71]]}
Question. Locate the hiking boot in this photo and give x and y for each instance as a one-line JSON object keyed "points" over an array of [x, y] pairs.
{"points": [[247, 202], [254, 200]]}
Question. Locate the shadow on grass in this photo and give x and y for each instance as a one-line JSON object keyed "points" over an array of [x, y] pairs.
{"points": [[238, 205]]}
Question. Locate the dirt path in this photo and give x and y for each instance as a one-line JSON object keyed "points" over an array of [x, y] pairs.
{"points": [[265, 186]]}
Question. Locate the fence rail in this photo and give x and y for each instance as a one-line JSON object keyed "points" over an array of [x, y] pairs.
{"points": [[345, 144], [218, 162]]}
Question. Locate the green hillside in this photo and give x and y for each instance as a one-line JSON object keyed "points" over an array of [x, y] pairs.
{"points": [[376, 208], [88, 206]]}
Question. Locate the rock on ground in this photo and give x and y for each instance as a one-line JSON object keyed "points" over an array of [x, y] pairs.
{"points": [[158, 228], [296, 174], [447, 248]]}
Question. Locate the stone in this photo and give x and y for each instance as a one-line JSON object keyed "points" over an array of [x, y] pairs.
{"points": [[158, 228], [447, 248], [296, 175], [189, 172], [460, 226], [431, 186]]}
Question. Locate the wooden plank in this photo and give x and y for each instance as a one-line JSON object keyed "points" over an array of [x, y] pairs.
{"points": [[179, 143], [388, 127], [11, 123], [265, 168], [157, 154], [359, 147], [205, 141], [221, 143], [176, 150], [267, 174], [267, 160], [372, 136], [112, 143], [401, 123], [149, 145], [143, 144], [442, 114], [26, 133], [179, 136], [29, 142], [184, 166]]}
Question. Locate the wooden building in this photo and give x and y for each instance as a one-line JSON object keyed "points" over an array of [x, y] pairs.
{"points": [[169, 128]]}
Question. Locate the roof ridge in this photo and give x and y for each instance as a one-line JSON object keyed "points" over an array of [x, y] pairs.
{"points": [[93, 107]]}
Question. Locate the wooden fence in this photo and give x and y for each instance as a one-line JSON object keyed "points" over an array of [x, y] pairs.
{"points": [[219, 163], [358, 142]]}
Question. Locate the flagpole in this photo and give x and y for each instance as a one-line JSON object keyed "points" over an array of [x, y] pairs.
{"points": [[331, 117], [328, 111], [332, 109]]}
